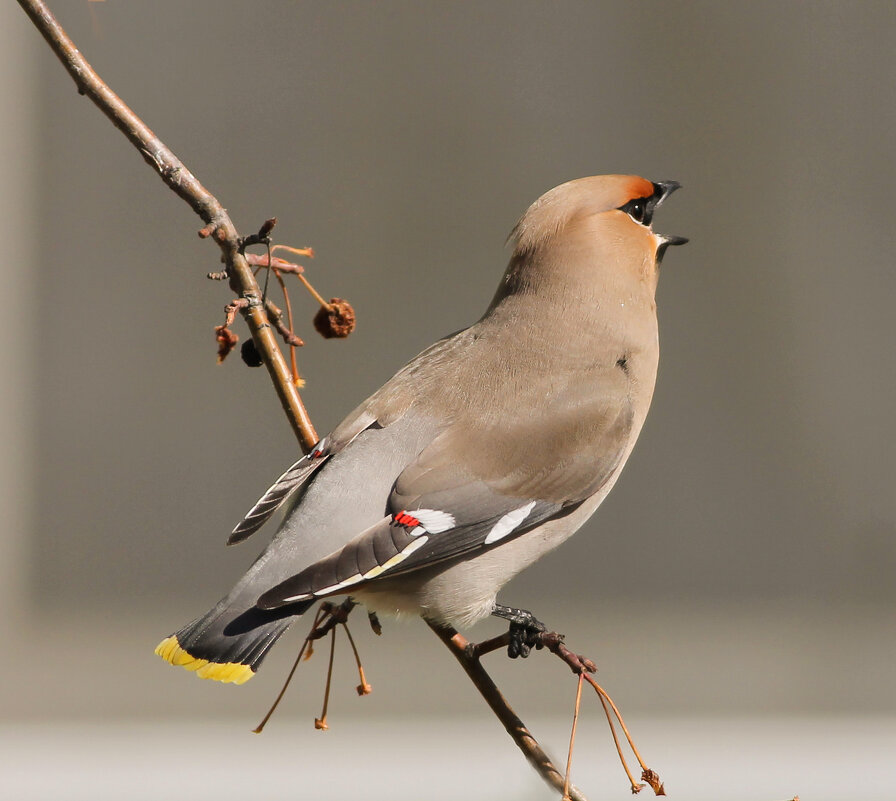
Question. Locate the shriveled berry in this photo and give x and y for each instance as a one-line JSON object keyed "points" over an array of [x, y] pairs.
{"points": [[250, 354], [337, 321]]}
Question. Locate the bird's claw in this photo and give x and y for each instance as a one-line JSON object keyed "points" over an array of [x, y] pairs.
{"points": [[523, 636], [525, 630]]}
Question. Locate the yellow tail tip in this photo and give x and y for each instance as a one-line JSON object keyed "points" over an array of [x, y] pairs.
{"points": [[228, 672]]}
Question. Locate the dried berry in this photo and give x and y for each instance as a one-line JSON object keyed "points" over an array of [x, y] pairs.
{"points": [[250, 354], [336, 320]]}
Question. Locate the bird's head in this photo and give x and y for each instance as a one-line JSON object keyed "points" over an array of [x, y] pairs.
{"points": [[594, 229]]}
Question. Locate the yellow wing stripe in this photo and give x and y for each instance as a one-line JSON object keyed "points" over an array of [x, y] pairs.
{"points": [[229, 672]]}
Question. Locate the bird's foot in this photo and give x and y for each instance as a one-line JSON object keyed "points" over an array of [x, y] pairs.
{"points": [[525, 630]]}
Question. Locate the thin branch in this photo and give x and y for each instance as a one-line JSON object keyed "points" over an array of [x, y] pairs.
{"points": [[572, 737], [321, 722], [465, 653], [304, 651], [364, 687], [184, 184]]}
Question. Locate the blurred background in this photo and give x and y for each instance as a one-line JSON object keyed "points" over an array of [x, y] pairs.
{"points": [[736, 589]]}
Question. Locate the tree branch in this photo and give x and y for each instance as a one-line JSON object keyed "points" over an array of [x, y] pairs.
{"points": [[185, 185], [468, 655], [242, 281]]}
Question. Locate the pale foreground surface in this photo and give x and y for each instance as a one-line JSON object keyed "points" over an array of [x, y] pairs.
{"points": [[723, 759]]}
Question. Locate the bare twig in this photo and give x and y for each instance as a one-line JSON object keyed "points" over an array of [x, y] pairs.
{"points": [[364, 687], [466, 654], [306, 646], [275, 315], [184, 184], [327, 617], [321, 722], [286, 331], [281, 265], [469, 654], [572, 737], [648, 775], [636, 788]]}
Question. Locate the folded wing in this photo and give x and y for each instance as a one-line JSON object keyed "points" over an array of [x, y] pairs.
{"points": [[477, 486]]}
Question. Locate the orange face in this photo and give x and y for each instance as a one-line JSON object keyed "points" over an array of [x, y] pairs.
{"points": [[642, 199]]}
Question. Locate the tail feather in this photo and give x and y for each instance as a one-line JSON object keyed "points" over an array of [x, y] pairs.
{"points": [[225, 646]]}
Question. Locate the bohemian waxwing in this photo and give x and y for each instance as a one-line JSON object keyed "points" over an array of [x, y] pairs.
{"points": [[488, 450]]}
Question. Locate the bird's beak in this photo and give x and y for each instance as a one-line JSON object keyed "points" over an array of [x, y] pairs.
{"points": [[665, 242], [663, 190]]}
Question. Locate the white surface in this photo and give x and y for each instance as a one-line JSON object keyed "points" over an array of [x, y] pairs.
{"points": [[754, 759]]}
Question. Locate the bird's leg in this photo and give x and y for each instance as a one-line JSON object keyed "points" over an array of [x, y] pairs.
{"points": [[524, 632]]}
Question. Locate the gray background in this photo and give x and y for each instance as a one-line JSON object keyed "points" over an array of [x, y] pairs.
{"points": [[745, 562]]}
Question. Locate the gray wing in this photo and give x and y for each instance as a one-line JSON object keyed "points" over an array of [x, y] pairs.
{"points": [[403, 542], [477, 486], [386, 406], [279, 491], [298, 474]]}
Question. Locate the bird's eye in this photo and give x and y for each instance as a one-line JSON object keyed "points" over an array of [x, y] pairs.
{"points": [[639, 210]]}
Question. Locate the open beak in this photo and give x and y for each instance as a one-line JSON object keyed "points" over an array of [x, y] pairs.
{"points": [[664, 189], [665, 242]]}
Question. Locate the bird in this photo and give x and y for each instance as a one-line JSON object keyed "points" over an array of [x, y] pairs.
{"points": [[485, 452]]}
